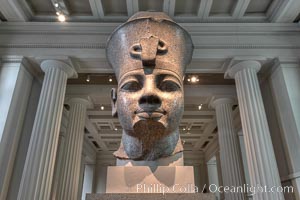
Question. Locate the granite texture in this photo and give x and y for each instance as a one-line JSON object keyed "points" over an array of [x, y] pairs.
{"points": [[195, 196], [149, 54]]}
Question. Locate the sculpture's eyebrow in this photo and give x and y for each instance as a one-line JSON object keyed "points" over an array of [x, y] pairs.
{"points": [[163, 76], [131, 76]]}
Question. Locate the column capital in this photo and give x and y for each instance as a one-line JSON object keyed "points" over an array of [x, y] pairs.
{"points": [[69, 70], [80, 99], [247, 64], [218, 100]]}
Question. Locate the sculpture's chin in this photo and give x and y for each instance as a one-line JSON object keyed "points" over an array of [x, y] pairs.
{"points": [[149, 140], [149, 130]]}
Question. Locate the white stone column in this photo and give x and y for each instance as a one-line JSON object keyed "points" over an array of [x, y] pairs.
{"points": [[263, 168], [58, 165], [284, 83], [81, 177], [15, 88], [89, 174], [59, 154], [68, 186], [232, 170], [39, 166], [219, 167]]}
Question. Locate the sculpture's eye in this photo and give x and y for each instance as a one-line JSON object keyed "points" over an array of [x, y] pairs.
{"points": [[131, 86], [169, 86]]}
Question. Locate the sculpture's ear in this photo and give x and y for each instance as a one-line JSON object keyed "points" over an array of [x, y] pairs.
{"points": [[113, 96]]}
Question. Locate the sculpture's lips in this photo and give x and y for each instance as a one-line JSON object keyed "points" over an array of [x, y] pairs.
{"points": [[155, 115]]}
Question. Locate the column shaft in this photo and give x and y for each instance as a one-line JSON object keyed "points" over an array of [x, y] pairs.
{"points": [[81, 177], [69, 181], [232, 171], [262, 164], [219, 168], [58, 164], [15, 88], [39, 165]]}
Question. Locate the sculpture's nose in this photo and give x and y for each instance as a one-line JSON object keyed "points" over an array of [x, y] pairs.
{"points": [[149, 102]]}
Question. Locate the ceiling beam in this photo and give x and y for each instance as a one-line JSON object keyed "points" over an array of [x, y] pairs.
{"points": [[132, 7], [240, 9], [171, 9], [94, 132], [14, 11], [62, 8], [129, 4], [204, 9], [166, 6], [208, 130], [284, 11], [97, 8], [191, 139], [89, 150], [211, 150]]}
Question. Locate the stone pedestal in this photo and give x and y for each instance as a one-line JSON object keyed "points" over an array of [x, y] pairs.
{"points": [[195, 196], [144, 179]]}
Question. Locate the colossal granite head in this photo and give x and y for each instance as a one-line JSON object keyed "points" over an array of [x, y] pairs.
{"points": [[149, 54]]}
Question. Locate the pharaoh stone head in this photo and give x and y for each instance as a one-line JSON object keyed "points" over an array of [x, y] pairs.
{"points": [[149, 54]]}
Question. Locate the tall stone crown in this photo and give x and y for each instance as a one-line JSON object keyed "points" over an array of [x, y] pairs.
{"points": [[149, 40]]}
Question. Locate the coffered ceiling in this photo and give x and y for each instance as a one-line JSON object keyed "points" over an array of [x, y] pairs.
{"points": [[181, 11], [198, 127]]}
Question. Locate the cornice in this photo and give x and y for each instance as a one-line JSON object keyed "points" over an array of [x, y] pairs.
{"points": [[12, 59], [85, 42], [106, 28], [102, 46], [55, 46]]}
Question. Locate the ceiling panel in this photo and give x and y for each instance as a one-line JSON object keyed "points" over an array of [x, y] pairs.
{"points": [[153, 5], [187, 7], [2, 18], [114, 7], [258, 6], [109, 130], [41, 7], [109, 79], [186, 11], [81, 7], [222, 7]]}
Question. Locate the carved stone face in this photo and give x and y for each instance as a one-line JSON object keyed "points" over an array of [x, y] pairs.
{"points": [[149, 54], [155, 98]]}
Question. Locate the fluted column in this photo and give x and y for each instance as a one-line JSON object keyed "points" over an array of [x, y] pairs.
{"points": [[263, 169], [39, 165], [81, 177], [58, 164], [219, 168], [68, 184], [59, 154], [232, 171]]}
